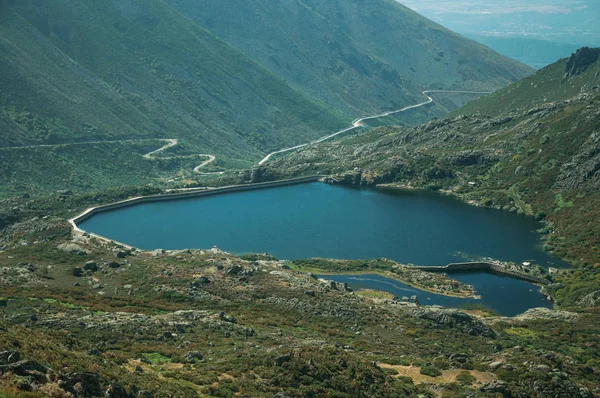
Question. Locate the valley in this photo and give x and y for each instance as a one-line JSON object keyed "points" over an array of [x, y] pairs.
{"points": [[183, 212]]}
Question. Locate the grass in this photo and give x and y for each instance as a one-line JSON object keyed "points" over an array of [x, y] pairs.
{"points": [[156, 358]]}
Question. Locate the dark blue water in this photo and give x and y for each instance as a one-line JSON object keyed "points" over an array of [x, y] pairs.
{"points": [[318, 220], [503, 295]]}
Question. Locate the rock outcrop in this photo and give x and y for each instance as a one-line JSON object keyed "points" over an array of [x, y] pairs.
{"points": [[581, 59], [450, 318]]}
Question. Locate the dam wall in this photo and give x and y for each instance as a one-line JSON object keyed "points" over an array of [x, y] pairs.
{"points": [[176, 196], [482, 266]]}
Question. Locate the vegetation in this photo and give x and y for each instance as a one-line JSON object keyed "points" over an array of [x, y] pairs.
{"points": [[380, 54], [78, 71], [530, 148], [153, 325], [83, 317]]}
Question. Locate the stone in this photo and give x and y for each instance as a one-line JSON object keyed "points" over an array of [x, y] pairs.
{"points": [[235, 270], [227, 318], [80, 384], [157, 252], [459, 357], [452, 318], [73, 248], [91, 266], [115, 390], [114, 264], [543, 368], [280, 360], [496, 386], [7, 357], [123, 253], [495, 365], [24, 368], [193, 357]]}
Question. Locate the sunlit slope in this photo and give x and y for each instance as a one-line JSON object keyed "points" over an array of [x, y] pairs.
{"points": [[79, 70], [360, 56]]}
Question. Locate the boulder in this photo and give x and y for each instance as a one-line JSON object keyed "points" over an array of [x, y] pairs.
{"points": [[456, 319], [24, 368], [459, 358], [227, 318], [73, 248], [235, 270], [123, 253], [193, 357], [280, 360], [115, 390], [495, 365], [91, 266], [7, 357], [543, 368], [81, 384], [114, 264], [496, 387]]}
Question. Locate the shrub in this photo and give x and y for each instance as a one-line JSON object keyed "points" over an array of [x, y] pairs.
{"points": [[430, 371], [465, 378]]}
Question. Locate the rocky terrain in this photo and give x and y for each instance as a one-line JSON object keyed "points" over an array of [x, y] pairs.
{"points": [[81, 318], [531, 148]]}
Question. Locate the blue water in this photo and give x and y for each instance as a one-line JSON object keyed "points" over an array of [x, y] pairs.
{"points": [[318, 220], [505, 296]]}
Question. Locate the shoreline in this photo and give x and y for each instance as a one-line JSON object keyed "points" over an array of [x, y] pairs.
{"points": [[389, 275], [481, 267], [173, 196]]}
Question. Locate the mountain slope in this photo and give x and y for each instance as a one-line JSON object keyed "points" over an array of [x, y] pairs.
{"points": [[360, 56], [532, 148], [76, 70]]}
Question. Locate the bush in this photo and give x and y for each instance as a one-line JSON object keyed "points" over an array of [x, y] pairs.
{"points": [[430, 371], [465, 378]]}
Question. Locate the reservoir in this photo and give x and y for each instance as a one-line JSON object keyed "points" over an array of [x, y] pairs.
{"points": [[319, 220]]}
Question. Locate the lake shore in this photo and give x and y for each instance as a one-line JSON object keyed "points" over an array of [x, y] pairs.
{"points": [[393, 276]]}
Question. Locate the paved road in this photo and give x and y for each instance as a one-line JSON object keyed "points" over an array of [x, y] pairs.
{"points": [[171, 142], [358, 122]]}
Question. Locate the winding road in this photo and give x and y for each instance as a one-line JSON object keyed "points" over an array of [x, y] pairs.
{"points": [[171, 142], [358, 122]]}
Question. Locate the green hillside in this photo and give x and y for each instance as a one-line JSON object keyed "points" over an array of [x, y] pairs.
{"points": [[556, 82], [78, 70], [359, 56]]}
